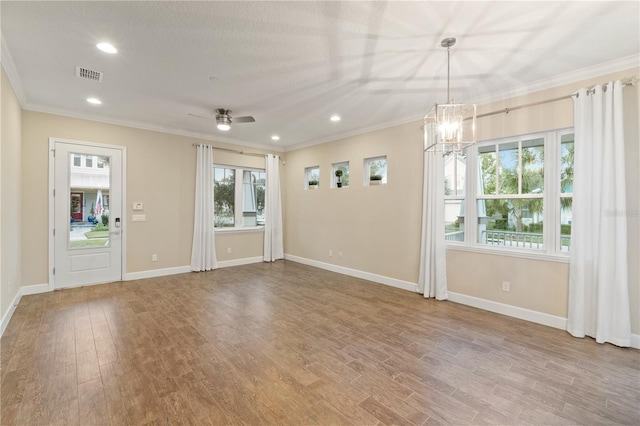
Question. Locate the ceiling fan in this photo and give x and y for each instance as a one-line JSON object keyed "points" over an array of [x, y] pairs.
{"points": [[224, 120]]}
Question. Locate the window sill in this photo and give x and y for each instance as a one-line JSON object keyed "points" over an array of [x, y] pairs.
{"points": [[522, 254], [239, 230]]}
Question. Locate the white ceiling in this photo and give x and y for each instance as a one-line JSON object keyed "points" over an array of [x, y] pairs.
{"points": [[292, 65]]}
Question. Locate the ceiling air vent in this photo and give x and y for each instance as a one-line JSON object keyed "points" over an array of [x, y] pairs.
{"points": [[89, 74]]}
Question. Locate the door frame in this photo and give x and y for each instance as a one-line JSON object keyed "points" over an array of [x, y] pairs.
{"points": [[123, 231]]}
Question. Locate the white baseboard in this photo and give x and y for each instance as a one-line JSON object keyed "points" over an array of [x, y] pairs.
{"points": [[238, 262], [153, 273], [7, 316], [393, 282], [635, 341], [157, 273], [34, 289], [510, 310]]}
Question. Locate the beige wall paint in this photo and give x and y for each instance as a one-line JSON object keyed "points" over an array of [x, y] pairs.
{"points": [[374, 227], [160, 173], [378, 229], [10, 190]]}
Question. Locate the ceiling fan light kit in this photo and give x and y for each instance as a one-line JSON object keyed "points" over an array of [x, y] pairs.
{"points": [[449, 127]]}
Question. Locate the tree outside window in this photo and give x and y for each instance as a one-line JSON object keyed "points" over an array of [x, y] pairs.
{"points": [[224, 197]]}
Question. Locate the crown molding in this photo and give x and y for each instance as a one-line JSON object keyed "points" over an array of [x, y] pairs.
{"points": [[6, 60], [621, 64], [151, 127], [357, 132]]}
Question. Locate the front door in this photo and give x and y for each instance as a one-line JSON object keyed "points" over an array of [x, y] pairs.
{"points": [[86, 252]]}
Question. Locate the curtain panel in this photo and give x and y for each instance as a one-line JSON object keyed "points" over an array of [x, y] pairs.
{"points": [[203, 250], [432, 279], [599, 303], [273, 239]]}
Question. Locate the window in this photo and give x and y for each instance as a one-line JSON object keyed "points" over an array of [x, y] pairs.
{"points": [[455, 171], [510, 196], [77, 160], [232, 184], [566, 191], [341, 181], [517, 181], [312, 177], [88, 161], [375, 171]]}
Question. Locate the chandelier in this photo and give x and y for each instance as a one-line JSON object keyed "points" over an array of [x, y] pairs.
{"points": [[449, 127]]}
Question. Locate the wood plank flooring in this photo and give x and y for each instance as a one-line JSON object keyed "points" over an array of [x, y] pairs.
{"points": [[288, 344]]}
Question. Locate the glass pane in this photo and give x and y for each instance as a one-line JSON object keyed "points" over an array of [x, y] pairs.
{"points": [[508, 168], [512, 223], [259, 182], [533, 166], [461, 174], [449, 175], [487, 165], [566, 164], [454, 220], [312, 176], [377, 169], [88, 209], [566, 215], [224, 197], [343, 179]]}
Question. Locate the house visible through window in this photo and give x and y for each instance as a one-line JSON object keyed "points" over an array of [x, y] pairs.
{"points": [[509, 198], [238, 197]]}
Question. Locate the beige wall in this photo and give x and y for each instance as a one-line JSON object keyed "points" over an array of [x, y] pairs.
{"points": [[378, 228], [160, 173], [10, 189], [375, 227]]}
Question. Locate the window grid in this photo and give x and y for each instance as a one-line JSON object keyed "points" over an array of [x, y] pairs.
{"points": [[534, 188]]}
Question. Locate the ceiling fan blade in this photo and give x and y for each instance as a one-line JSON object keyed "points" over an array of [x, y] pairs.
{"points": [[199, 116], [247, 119]]}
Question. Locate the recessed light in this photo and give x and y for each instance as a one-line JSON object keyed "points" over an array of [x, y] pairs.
{"points": [[275, 138], [107, 47], [335, 118], [94, 101]]}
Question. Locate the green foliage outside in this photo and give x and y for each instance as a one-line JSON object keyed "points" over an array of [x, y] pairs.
{"points": [[224, 201], [532, 181], [97, 234], [96, 242], [376, 169]]}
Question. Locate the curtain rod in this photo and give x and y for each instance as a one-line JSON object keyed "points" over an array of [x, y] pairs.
{"points": [[235, 151], [629, 82]]}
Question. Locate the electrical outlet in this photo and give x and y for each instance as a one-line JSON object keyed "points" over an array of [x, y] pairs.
{"points": [[506, 286], [154, 257], [330, 253], [229, 250]]}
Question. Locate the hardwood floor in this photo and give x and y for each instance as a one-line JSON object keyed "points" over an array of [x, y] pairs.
{"points": [[286, 343]]}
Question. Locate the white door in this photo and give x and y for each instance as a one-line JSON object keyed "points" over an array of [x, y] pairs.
{"points": [[87, 217]]}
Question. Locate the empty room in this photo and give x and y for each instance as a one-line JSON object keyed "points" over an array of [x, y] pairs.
{"points": [[320, 212]]}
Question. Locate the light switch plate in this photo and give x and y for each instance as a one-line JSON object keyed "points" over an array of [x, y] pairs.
{"points": [[138, 218], [138, 206]]}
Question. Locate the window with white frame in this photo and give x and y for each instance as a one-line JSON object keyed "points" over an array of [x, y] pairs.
{"points": [[312, 177], [238, 197], [375, 171], [517, 182], [455, 172], [340, 175]]}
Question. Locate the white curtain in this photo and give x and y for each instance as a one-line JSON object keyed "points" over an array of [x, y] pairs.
{"points": [[432, 280], [203, 250], [273, 244], [598, 283]]}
